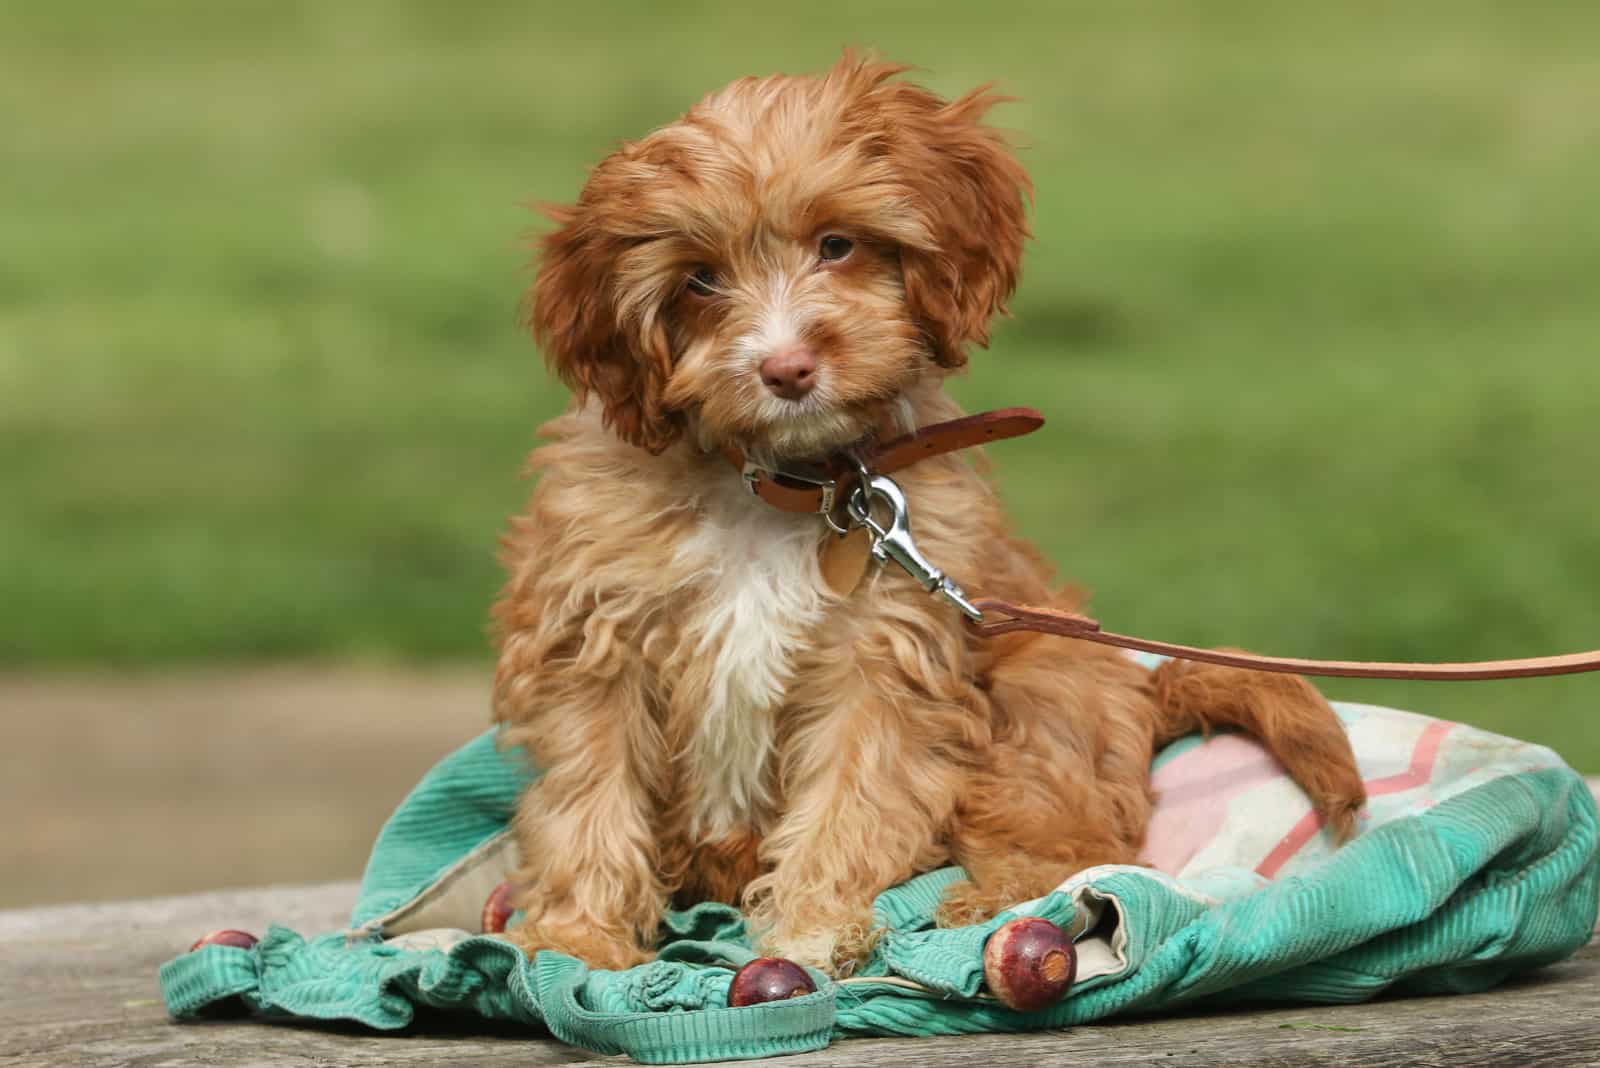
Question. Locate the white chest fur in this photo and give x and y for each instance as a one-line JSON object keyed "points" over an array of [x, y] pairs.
{"points": [[763, 594]]}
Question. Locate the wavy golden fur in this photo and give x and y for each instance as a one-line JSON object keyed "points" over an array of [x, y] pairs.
{"points": [[714, 722]]}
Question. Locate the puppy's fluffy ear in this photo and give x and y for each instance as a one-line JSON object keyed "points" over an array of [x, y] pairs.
{"points": [[971, 192], [586, 338]]}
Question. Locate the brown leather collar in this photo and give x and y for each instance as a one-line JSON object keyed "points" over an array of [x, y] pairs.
{"points": [[818, 487]]}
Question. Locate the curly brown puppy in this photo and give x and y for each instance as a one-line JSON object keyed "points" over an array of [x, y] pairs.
{"points": [[794, 266]]}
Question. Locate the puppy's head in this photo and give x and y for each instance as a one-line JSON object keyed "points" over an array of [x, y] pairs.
{"points": [[774, 269]]}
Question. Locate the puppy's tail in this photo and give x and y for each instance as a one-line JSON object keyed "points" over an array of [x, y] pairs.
{"points": [[1288, 715]]}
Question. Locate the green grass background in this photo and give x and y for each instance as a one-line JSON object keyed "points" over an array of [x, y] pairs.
{"points": [[1312, 309]]}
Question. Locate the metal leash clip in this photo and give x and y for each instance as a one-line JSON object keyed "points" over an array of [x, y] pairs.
{"points": [[893, 542]]}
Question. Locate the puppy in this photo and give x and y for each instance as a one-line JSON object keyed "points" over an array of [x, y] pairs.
{"points": [[794, 266]]}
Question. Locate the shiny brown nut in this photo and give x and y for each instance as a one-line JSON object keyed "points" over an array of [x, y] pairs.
{"points": [[230, 937], [769, 979], [1029, 964], [497, 909]]}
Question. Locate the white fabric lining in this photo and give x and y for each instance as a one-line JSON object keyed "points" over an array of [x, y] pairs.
{"points": [[453, 901]]}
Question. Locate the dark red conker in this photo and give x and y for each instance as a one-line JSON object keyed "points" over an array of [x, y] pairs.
{"points": [[769, 979], [230, 937], [1029, 964], [497, 909]]}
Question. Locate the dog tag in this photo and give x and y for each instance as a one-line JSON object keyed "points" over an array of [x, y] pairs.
{"points": [[844, 560]]}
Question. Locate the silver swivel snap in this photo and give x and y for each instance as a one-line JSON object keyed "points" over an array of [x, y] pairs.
{"points": [[893, 541]]}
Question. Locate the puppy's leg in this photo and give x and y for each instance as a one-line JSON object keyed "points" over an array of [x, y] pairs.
{"points": [[870, 774], [589, 852], [1076, 729], [862, 816], [1288, 715], [1065, 786]]}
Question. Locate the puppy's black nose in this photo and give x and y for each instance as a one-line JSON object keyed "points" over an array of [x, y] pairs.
{"points": [[790, 373]]}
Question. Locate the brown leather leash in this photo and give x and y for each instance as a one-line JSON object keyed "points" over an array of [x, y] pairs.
{"points": [[1072, 625], [842, 488]]}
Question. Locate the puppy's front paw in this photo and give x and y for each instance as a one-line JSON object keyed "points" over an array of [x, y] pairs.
{"points": [[596, 948], [838, 948], [964, 903]]}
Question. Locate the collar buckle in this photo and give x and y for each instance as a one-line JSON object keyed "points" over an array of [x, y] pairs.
{"points": [[799, 477]]}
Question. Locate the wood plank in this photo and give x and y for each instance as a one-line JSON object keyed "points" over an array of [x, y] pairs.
{"points": [[78, 986]]}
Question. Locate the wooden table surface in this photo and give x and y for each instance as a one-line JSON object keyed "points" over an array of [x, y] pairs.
{"points": [[78, 987]]}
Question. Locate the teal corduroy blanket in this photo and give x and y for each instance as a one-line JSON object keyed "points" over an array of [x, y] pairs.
{"points": [[1478, 857]]}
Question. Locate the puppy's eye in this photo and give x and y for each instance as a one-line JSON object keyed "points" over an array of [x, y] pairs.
{"points": [[834, 248], [703, 282]]}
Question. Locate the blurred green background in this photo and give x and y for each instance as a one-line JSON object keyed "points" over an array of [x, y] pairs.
{"points": [[1312, 309]]}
